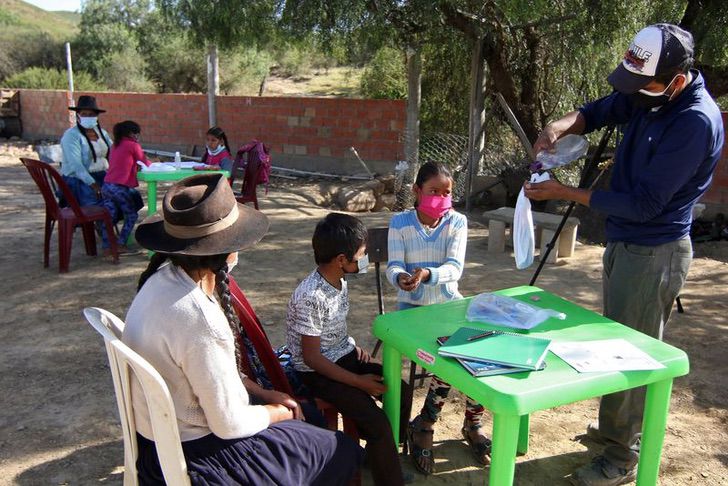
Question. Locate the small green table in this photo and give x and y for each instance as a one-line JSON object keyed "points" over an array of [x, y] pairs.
{"points": [[511, 398], [151, 178]]}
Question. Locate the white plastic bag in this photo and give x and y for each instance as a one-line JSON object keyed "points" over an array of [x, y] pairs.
{"points": [[507, 311], [523, 235]]}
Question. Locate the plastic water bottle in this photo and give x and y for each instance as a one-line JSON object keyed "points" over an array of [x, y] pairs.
{"points": [[177, 160]]}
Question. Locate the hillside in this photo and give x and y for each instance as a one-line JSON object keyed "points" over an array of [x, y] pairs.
{"points": [[19, 18]]}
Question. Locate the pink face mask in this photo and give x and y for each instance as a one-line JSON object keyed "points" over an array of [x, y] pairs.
{"points": [[434, 206]]}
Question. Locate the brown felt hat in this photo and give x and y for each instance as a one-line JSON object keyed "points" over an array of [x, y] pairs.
{"points": [[199, 217]]}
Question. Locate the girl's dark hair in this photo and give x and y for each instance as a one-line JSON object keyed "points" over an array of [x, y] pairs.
{"points": [[218, 265], [428, 170], [125, 129], [219, 134], [88, 140], [338, 233]]}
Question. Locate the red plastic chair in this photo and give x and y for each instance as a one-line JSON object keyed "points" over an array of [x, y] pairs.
{"points": [[254, 329], [48, 179]]}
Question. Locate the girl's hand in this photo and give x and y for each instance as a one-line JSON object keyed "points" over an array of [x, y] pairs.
{"points": [[408, 284], [273, 397]]}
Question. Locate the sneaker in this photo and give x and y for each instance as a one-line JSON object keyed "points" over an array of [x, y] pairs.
{"points": [[601, 472]]}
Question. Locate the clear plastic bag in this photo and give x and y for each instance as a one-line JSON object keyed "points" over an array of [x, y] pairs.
{"points": [[566, 150], [507, 311]]}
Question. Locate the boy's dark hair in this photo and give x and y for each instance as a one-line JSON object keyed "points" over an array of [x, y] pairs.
{"points": [[428, 170], [682, 68], [338, 233], [125, 129]]}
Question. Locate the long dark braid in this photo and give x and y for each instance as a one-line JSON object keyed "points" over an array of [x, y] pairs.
{"points": [[88, 140], [154, 264], [226, 302]]}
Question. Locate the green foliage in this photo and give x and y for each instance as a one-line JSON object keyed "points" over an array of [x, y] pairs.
{"points": [[385, 76], [244, 70], [19, 19], [8, 18], [42, 78]]}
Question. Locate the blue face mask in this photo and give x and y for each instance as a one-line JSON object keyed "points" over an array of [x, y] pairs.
{"points": [[88, 122]]}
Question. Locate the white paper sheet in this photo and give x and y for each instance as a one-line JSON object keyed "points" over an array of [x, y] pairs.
{"points": [[604, 355]]}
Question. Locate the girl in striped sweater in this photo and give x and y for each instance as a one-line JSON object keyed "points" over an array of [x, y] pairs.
{"points": [[426, 256]]}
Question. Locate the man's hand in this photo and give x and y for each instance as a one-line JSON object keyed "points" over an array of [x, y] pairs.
{"points": [[546, 140], [372, 384], [545, 190], [362, 355]]}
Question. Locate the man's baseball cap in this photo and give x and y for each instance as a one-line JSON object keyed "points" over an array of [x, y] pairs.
{"points": [[655, 50]]}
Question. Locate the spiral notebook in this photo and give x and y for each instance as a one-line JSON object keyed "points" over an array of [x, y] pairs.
{"points": [[502, 348]]}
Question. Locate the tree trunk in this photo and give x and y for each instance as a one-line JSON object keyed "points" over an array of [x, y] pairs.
{"points": [[476, 123], [213, 84], [412, 124]]}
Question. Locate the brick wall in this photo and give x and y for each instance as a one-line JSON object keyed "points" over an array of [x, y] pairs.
{"points": [[717, 195], [309, 132]]}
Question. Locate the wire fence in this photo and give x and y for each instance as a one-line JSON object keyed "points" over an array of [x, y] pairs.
{"points": [[501, 154]]}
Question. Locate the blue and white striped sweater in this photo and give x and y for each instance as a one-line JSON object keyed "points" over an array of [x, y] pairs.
{"points": [[442, 252]]}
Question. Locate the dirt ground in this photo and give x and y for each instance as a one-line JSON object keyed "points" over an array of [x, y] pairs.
{"points": [[58, 418]]}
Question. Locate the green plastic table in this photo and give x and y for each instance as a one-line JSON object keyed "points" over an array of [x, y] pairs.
{"points": [[511, 398], [151, 178]]}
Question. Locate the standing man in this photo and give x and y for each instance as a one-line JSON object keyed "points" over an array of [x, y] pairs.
{"points": [[672, 139]]}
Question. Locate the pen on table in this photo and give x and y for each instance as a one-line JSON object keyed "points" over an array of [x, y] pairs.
{"points": [[482, 335]]}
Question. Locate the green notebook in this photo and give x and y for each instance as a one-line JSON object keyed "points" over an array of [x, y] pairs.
{"points": [[503, 348]]}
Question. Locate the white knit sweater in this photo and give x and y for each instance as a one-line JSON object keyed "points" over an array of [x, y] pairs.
{"points": [[184, 334]]}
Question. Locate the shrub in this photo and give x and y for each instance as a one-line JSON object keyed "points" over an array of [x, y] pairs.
{"points": [[385, 76], [49, 78]]}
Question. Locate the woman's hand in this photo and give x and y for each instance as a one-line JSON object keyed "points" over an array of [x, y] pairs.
{"points": [[273, 397], [362, 355], [546, 140], [278, 413]]}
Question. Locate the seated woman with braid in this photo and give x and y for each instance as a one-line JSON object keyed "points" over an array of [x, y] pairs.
{"points": [[183, 323]]}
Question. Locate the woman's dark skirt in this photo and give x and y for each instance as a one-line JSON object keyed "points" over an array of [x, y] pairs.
{"points": [[286, 453]]}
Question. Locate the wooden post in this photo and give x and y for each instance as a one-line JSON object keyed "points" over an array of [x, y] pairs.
{"points": [[412, 124], [213, 84], [476, 135]]}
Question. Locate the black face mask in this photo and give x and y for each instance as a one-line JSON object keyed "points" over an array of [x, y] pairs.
{"points": [[642, 100]]}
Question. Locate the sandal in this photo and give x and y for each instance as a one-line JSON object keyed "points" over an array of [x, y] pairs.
{"points": [[481, 450], [417, 452]]}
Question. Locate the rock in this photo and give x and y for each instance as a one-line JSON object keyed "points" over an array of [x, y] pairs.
{"points": [[375, 185], [388, 182], [354, 199], [385, 202]]}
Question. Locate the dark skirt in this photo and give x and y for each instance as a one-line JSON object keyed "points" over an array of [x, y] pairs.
{"points": [[286, 453]]}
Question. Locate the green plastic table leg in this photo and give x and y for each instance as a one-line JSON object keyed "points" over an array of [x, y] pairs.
{"points": [[657, 404], [392, 371], [151, 203], [151, 197], [523, 435], [505, 443]]}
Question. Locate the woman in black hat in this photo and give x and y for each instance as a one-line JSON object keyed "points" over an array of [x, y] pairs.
{"points": [[183, 323], [86, 149]]}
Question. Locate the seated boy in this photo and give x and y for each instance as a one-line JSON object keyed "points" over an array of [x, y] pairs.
{"points": [[324, 354]]}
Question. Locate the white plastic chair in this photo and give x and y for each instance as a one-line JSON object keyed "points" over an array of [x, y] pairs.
{"points": [[123, 361]]}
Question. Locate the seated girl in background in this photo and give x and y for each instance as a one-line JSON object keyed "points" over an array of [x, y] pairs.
{"points": [[217, 149], [119, 193], [426, 257]]}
